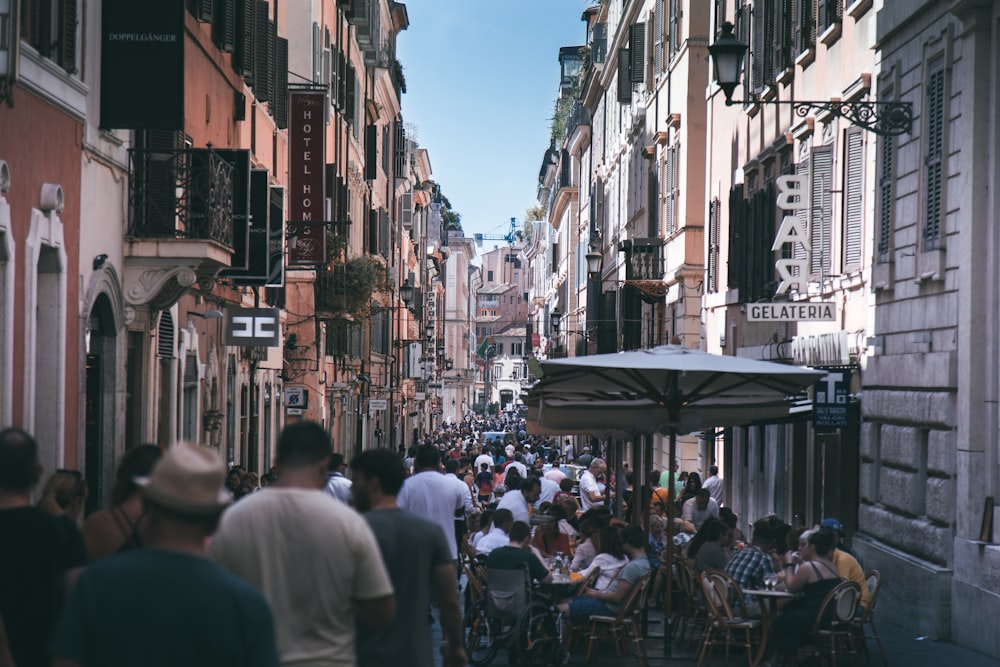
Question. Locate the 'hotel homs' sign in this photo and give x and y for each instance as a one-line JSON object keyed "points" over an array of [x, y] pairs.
{"points": [[793, 196]]}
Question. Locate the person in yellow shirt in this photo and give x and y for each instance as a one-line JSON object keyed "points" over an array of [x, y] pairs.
{"points": [[849, 569]]}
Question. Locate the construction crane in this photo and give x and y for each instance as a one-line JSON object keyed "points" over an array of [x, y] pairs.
{"points": [[509, 237]]}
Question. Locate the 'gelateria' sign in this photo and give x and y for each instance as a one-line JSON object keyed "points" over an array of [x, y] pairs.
{"points": [[791, 312]]}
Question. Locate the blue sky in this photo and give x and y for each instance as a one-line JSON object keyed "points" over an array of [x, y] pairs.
{"points": [[481, 80]]}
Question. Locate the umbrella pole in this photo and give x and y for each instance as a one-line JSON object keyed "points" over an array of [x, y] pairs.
{"points": [[668, 561]]}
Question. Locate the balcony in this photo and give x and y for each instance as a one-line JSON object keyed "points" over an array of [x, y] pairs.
{"points": [[180, 228], [643, 259]]}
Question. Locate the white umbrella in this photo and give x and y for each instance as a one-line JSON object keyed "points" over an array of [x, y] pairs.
{"points": [[668, 389]]}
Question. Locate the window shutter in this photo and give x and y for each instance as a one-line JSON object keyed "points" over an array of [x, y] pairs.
{"points": [[653, 203], [637, 51], [743, 33], [828, 12], [820, 207], [624, 77], [885, 194], [371, 152], [41, 22], [224, 25], [261, 34], [243, 54], [202, 10], [933, 161], [798, 251], [714, 224], [737, 216], [165, 336], [317, 53], [757, 47], [658, 24], [805, 25], [854, 163], [281, 84], [674, 19], [670, 177], [720, 17], [599, 48], [67, 40], [778, 38], [272, 47], [349, 95]]}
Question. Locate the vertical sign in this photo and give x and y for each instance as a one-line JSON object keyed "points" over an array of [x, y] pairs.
{"points": [[142, 63], [256, 270], [793, 196], [830, 395], [240, 161], [276, 238], [306, 171]]}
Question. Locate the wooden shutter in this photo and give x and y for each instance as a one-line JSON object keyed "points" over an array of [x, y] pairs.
{"points": [[828, 13], [886, 174], [798, 250], [757, 46], [737, 217], [714, 224], [202, 10], [653, 203], [673, 28], [67, 38], [371, 152], [658, 25], [350, 90], [243, 51], [671, 187], [854, 197], [637, 51], [805, 25], [821, 184], [400, 168], [281, 83], [224, 25], [261, 34], [720, 17], [934, 158], [624, 77]]}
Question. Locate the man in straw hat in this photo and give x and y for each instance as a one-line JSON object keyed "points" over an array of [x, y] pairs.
{"points": [[314, 558], [167, 604]]}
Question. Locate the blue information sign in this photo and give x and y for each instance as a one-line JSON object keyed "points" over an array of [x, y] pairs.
{"points": [[830, 399]]}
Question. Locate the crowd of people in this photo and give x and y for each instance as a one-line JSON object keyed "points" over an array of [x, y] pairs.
{"points": [[329, 564]]}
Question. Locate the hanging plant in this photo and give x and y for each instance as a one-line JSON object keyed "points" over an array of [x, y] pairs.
{"points": [[348, 287]]}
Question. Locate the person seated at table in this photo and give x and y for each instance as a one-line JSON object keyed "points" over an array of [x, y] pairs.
{"points": [[729, 517], [655, 548], [610, 558], [608, 602], [815, 578], [708, 547], [498, 535], [591, 524], [485, 525], [548, 539], [698, 510], [518, 554], [749, 565]]}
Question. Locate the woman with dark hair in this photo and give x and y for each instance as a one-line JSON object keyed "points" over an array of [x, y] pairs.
{"points": [[610, 558], [117, 529], [691, 487], [814, 579], [708, 546]]}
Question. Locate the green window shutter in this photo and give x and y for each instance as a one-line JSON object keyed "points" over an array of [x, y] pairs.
{"points": [[653, 203], [202, 10], [798, 251], [281, 83], [720, 17], [658, 24], [350, 89], [757, 47], [371, 152], [737, 218], [224, 25], [261, 76], [67, 38], [934, 157], [821, 200], [243, 48], [624, 77], [885, 194], [673, 28], [637, 51], [854, 196], [714, 224]]}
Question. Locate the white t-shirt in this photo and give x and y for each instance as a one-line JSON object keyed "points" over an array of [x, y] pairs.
{"points": [[311, 557], [518, 506], [435, 497], [714, 486], [610, 567], [589, 483], [494, 539], [480, 460], [521, 468], [690, 511], [549, 491], [568, 451]]}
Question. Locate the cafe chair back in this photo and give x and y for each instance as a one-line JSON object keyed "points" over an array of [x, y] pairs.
{"points": [[724, 626], [832, 629], [873, 581], [623, 625]]}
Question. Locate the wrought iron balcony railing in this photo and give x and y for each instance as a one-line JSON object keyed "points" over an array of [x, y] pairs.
{"points": [[180, 194], [643, 259]]}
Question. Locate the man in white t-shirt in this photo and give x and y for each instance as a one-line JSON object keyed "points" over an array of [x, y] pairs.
{"points": [[497, 537], [518, 501], [568, 451], [699, 509], [431, 494], [713, 484], [592, 494], [315, 560]]}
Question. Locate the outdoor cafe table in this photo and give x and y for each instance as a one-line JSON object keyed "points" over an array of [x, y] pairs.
{"points": [[769, 613]]}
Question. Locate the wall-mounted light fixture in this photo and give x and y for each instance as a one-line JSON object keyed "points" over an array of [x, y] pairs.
{"points": [[884, 118], [555, 319]]}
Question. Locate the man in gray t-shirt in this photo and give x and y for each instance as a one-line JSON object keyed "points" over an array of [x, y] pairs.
{"points": [[418, 558]]}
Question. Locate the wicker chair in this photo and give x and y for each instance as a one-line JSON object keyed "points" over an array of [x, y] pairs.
{"points": [[624, 624], [833, 628], [724, 626], [873, 580]]}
